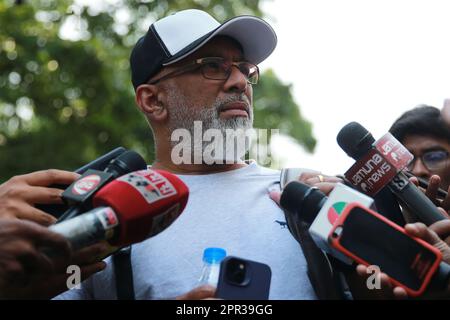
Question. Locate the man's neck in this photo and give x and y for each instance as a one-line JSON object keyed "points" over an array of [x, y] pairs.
{"points": [[195, 169]]}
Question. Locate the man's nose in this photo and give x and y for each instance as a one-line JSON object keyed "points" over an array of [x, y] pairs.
{"points": [[237, 81]]}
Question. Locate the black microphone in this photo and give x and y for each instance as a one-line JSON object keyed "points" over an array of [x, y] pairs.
{"points": [[79, 194], [99, 164], [374, 170], [297, 196]]}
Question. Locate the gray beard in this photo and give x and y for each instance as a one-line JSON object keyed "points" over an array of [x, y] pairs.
{"points": [[228, 150]]}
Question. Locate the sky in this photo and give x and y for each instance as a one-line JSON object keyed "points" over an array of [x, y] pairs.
{"points": [[357, 60]]}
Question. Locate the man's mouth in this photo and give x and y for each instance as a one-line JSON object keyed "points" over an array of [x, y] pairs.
{"points": [[235, 109]]}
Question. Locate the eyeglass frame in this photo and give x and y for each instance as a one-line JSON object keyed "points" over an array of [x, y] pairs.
{"points": [[199, 63], [411, 164]]}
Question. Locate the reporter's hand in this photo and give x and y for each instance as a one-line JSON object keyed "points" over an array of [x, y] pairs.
{"points": [[20, 257], [323, 182], [418, 230], [432, 193], [205, 292], [49, 285], [314, 179], [442, 229], [19, 194], [386, 289], [421, 231]]}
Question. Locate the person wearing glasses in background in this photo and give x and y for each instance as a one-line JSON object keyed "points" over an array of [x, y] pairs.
{"points": [[425, 133]]}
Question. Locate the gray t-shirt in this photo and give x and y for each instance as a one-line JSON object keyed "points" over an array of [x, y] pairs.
{"points": [[231, 210]]}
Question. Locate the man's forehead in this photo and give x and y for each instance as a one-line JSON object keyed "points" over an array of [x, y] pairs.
{"points": [[421, 143]]}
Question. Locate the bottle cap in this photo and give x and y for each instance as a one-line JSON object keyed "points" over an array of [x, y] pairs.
{"points": [[214, 255]]}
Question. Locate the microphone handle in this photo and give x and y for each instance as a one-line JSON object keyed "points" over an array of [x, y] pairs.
{"points": [[70, 213], [424, 184], [88, 228], [415, 200]]}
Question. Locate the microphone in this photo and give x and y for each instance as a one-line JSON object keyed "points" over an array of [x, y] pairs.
{"points": [[441, 193], [99, 164], [128, 210], [385, 203], [380, 164], [79, 194], [310, 205]]}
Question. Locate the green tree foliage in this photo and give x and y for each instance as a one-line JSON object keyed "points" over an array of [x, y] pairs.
{"points": [[65, 102]]}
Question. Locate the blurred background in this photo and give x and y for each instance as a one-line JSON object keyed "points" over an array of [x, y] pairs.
{"points": [[66, 95]]}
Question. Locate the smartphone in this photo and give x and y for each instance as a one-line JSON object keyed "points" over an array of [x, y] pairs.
{"points": [[370, 239], [242, 279]]}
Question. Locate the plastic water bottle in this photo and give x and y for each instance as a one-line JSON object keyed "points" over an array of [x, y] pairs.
{"points": [[211, 265]]}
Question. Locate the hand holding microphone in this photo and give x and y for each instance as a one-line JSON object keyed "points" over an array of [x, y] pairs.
{"points": [[79, 194], [380, 164], [19, 194]]}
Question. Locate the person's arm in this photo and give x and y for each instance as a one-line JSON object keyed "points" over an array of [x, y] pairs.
{"points": [[51, 285], [27, 272], [204, 292], [19, 194]]}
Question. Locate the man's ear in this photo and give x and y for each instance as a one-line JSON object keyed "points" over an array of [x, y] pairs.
{"points": [[148, 99]]}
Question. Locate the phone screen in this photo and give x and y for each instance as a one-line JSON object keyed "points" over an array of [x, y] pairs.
{"points": [[378, 243]]}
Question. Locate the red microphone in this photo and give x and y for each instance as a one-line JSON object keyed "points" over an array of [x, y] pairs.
{"points": [[128, 210]]}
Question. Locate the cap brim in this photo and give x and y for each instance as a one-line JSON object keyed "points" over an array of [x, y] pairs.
{"points": [[256, 37]]}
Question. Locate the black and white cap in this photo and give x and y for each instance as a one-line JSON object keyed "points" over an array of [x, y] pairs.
{"points": [[176, 36]]}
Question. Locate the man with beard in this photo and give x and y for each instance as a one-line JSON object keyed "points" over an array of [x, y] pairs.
{"points": [[188, 70]]}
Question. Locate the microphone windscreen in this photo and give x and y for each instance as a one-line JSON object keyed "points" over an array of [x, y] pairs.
{"points": [[355, 140], [128, 161], [301, 198], [146, 202]]}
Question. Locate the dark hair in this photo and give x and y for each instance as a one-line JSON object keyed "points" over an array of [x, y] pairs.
{"points": [[422, 120]]}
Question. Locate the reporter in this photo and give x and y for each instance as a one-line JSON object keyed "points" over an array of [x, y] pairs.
{"points": [[19, 194]]}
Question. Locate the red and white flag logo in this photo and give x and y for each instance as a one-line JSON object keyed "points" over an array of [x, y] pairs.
{"points": [[86, 184]]}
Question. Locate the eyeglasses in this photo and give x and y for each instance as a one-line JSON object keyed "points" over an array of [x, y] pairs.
{"points": [[432, 160], [216, 68]]}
